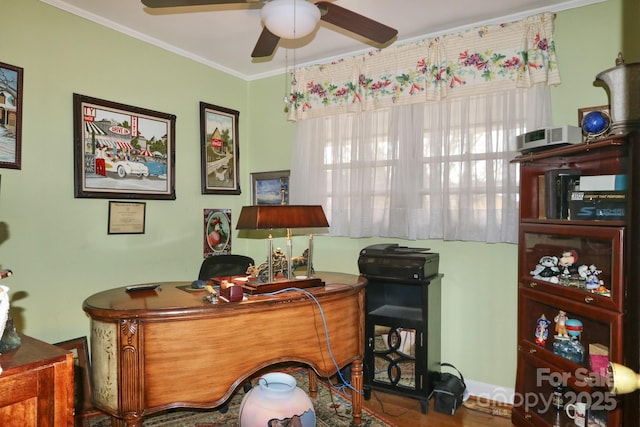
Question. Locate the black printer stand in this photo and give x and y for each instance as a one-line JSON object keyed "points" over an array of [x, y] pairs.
{"points": [[402, 332]]}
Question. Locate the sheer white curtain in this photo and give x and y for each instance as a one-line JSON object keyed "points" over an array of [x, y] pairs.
{"points": [[438, 170]]}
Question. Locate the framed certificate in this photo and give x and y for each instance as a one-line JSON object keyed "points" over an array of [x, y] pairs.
{"points": [[126, 217]]}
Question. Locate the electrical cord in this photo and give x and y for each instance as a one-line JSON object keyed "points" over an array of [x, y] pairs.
{"points": [[345, 384]]}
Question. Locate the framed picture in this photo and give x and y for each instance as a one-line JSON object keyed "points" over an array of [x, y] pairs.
{"points": [[270, 188], [219, 150], [122, 151], [217, 232], [10, 116], [126, 217], [82, 373]]}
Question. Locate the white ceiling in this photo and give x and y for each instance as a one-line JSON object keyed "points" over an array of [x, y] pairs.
{"points": [[223, 36]]}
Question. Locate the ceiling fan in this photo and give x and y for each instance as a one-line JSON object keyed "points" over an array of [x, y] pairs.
{"points": [[291, 19]]}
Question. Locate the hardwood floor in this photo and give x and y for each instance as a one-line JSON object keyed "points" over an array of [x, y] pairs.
{"points": [[405, 412]]}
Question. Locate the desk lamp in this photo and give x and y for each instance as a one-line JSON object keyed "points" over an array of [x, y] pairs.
{"points": [[269, 217], [622, 380]]}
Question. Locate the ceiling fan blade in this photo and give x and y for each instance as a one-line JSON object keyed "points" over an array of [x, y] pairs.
{"points": [[266, 44], [356, 23], [179, 3]]}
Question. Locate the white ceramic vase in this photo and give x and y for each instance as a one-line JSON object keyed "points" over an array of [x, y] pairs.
{"points": [[276, 400]]}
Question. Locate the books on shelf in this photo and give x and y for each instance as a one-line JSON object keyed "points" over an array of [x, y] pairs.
{"points": [[598, 205], [603, 182], [559, 183], [566, 194]]}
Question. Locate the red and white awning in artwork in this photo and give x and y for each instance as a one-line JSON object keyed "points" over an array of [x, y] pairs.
{"points": [[91, 127], [111, 142], [146, 153]]}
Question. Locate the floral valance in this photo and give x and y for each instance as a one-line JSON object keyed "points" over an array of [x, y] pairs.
{"points": [[477, 61]]}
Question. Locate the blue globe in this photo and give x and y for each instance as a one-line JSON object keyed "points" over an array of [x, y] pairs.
{"points": [[595, 123]]}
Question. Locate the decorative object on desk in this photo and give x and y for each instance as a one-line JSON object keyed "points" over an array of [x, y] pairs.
{"points": [[11, 123], [542, 330], [622, 83], [217, 232], [621, 379], [109, 164], [276, 400], [270, 188], [268, 217], [9, 336], [331, 411], [219, 150]]}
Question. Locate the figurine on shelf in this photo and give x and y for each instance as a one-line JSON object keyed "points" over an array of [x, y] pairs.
{"points": [[593, 281], [561, 325], [542, 330], [547, 269], [571, 349], [567, 263]]}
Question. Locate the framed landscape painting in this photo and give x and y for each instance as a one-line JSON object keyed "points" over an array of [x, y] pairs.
{"points": [[10, 116], [122, 151], [219, 150], [270, 188]]}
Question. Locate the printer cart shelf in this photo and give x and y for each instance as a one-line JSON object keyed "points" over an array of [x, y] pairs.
{"points": [[591, 318], [402, 321]]}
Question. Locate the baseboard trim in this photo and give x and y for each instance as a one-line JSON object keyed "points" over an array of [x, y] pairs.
{"points": [[490, 392]]}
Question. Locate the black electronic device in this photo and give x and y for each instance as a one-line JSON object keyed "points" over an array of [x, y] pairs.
{"points": [[391, 261]]}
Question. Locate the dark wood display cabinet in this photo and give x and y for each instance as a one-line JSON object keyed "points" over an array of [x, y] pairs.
{"points": [[578, 281]]}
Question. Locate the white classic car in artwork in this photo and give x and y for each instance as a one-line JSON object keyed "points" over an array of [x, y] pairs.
{"points": [[126, 167]]}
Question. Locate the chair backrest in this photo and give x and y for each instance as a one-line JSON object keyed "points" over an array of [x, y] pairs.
{"points": [[224, 265]]}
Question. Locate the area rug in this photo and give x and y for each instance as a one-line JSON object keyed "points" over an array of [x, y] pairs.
{"points": [[333, 409]]}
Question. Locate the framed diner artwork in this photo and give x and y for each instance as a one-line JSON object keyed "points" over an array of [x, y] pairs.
{"points": [[10, 116], [219, 150], [122, 151]]}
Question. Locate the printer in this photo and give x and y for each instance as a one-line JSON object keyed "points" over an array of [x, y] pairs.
{"points": [[394, 262]]}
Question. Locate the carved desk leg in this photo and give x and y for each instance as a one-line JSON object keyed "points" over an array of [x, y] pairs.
{"points": [[357, 382]]}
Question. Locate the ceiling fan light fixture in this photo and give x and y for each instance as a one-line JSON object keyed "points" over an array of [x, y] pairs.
{"points": [[290, 19]]}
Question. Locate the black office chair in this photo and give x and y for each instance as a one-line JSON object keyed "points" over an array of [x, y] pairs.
{"points": [[224, 265]]}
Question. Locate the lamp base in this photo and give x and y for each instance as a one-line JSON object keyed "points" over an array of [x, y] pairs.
{"points": [[265, 288]]}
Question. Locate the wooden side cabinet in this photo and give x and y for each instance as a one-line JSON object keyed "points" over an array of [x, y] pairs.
{"points": [[587, 294], [36, 386]]}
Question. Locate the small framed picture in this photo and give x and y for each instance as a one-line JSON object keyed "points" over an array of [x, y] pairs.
{"points": [[82, 373], [217, 232], [270, 188], [126, 217], [219, 150], [122, 151], [10, 116]]}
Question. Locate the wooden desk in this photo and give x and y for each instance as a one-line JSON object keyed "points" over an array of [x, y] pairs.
{"points": [[155, 350], [36, 386]]}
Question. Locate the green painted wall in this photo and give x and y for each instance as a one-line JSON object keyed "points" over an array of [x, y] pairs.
{"points": [[58, 246]]}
